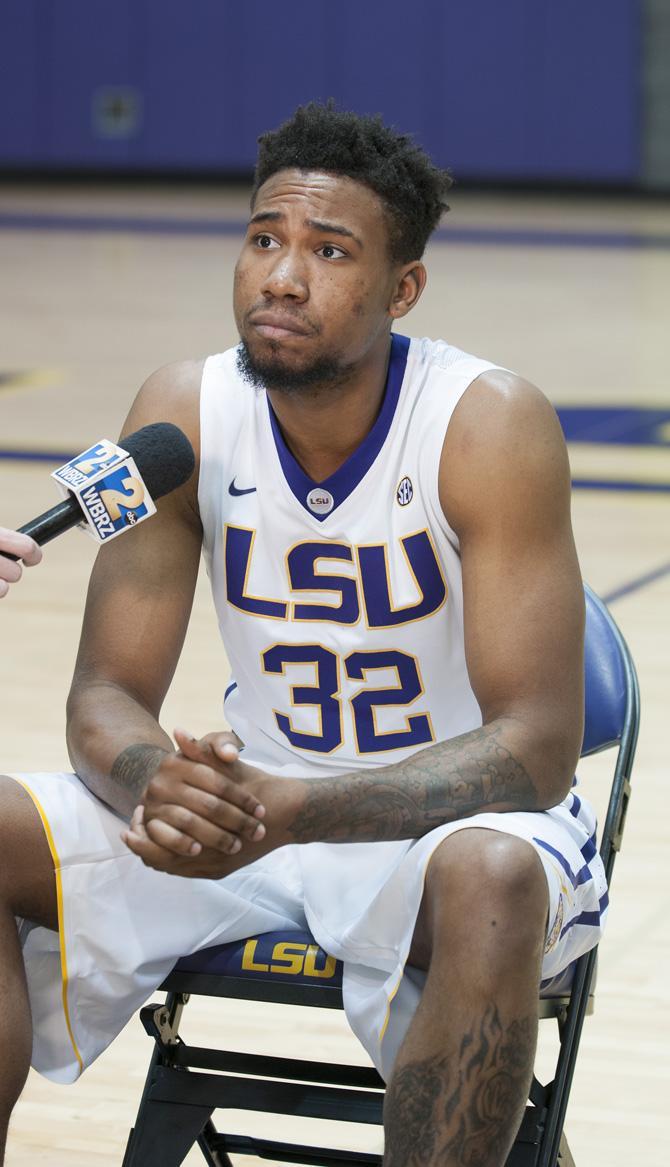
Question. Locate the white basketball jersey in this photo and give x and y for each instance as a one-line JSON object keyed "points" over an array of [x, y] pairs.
{"points": [[340, 603]]}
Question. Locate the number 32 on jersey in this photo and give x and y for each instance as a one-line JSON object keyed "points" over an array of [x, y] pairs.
{"points": [[369, 595], [364, 704]]}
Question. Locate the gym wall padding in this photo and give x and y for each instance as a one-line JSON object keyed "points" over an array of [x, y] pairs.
{"points": [[521, 90]]}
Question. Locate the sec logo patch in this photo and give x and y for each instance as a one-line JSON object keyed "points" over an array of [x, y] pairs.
{"points": [[405, 491]]}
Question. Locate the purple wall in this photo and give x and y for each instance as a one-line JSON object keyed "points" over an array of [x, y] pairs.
{"points": [[508, 89]]}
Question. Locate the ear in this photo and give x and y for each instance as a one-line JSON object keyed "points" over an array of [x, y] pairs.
{"points": [[411, 281]]}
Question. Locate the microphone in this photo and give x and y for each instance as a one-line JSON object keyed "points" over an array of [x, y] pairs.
{"points": [[110, 488]]}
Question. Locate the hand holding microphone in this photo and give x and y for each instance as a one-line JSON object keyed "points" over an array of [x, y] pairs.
{"points": [[15, 546]]}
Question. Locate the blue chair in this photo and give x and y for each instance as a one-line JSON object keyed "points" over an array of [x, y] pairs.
{"points": [[185, 1083]]}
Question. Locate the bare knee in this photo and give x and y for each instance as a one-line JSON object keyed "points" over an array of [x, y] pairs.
{"points": [[486, 897], [27, 881]]}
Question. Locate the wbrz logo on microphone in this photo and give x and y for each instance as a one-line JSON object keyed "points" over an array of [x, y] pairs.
{"points": [[88, 466], [115, 502], [109, 488]]}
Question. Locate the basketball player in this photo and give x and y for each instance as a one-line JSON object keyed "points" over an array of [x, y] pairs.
{"points": [[13, 543], [386, 526]]}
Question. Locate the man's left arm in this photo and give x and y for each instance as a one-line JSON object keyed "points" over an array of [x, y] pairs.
{"points": [[505, 490]]}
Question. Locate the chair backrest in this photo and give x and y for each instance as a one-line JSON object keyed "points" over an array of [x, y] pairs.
{"points": [[612, 716], [606, 678], [612, 712]]}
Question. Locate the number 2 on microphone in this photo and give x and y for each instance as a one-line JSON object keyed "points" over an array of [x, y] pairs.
{"points": [[112, 498]]}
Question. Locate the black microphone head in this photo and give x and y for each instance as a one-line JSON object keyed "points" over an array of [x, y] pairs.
{"points": [[163, 454]]}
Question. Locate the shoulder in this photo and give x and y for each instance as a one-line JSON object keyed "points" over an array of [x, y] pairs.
{"points": [[504, 443], [442, 357], [171, 393], [500, 407]]}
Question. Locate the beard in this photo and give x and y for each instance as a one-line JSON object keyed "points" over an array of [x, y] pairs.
{"points": [[272, 371]]}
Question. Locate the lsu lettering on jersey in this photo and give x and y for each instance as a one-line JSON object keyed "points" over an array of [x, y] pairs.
{"points": [[339, 603]]}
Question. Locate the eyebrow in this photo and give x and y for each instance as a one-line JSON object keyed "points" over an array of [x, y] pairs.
{"points": [[313, 224]]}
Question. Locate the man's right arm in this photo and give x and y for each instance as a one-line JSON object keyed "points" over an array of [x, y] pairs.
{"points": [[137, 611]]}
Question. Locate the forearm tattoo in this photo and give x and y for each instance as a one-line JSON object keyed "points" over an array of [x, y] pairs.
{"points": [[135, 766], [448, 781], [464, 1109]]}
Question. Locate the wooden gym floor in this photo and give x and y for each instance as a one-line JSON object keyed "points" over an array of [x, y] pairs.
{"points": [[99, 287]]}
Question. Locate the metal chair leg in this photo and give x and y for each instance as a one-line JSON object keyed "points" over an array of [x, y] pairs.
{"points": [[164, 1134]]}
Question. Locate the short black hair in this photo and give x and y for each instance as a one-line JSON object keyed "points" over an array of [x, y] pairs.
{"points": [[321, 137]]}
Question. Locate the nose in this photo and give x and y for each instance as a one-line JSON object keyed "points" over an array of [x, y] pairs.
{"points": [[286, 278]]}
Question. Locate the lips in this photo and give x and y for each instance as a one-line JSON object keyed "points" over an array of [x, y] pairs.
{"points": [[276, 324]]}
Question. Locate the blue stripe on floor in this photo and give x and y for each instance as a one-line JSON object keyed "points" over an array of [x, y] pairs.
{"points": [[132, 224], [621, 484], [615, 425], [57, 456], [635, 585]]}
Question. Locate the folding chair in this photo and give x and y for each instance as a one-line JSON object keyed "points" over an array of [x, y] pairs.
{"points": [[186, 1083]]}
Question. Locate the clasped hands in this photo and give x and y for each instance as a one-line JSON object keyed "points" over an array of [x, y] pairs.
{"points": [[205, 813]]}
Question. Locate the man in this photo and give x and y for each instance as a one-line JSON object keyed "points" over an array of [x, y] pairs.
{"points": [[386, 527], [13, 543]]}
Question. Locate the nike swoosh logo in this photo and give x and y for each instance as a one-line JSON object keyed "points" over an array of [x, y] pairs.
{"points": [[235, 491]]}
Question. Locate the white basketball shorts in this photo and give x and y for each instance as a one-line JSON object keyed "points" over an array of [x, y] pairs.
{"points": [[122, 926]]}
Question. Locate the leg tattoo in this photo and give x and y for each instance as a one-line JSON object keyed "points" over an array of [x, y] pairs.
{"points": [[462, 1110], [410, 1112]]}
